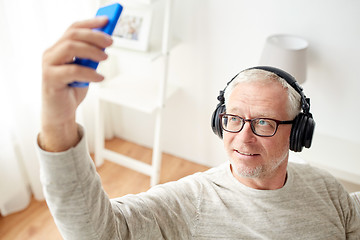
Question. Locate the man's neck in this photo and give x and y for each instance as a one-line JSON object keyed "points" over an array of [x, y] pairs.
{"points": [[273, 181]]}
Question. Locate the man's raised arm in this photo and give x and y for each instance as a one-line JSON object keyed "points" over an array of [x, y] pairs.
{"points": [[73, 191]]}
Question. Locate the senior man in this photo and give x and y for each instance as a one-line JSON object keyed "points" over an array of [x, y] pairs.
{"points": [[257, 194]]}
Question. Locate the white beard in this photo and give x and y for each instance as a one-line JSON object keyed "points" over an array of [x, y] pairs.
{"points": [[259, 171]]}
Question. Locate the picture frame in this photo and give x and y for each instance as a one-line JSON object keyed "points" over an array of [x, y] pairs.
{"points": [[133, 28]]}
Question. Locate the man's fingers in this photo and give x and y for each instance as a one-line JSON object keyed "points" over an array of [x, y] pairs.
{"points": [[72, 72], [80, 40], [65, 74], [96, 22], [66, 51], [93, 37], [83, 31]]}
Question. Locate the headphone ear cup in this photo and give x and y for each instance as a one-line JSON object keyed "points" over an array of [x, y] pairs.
{"points": [[293, 133], [309, 132], [215, 120], [296, 133], [302, 132]]}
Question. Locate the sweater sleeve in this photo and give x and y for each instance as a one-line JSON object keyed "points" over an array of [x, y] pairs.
{"points": [[73, 191], [352, 218], [82, 210], [167, 211]]}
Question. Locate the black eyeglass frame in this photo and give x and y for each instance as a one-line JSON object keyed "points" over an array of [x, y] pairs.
{"points": [[278, 122]]}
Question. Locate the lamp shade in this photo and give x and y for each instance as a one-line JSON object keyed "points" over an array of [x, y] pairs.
{"points": [[287, 53]]}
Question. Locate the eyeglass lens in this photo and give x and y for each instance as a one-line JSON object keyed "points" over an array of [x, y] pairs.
{"points": [[260, 126]]}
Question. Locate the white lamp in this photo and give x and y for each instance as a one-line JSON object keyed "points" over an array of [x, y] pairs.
{"points": [[287, 53]]}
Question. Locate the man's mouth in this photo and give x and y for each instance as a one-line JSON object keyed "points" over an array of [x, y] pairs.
{"points": [[246, 153]]}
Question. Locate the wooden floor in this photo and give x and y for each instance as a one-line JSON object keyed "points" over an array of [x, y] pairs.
{"points": [[36, 223]]}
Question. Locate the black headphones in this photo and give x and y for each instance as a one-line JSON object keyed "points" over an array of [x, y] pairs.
{"points": [[303, 127]]}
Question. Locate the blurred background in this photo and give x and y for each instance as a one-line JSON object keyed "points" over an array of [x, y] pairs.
{"points": [[215, 40]]}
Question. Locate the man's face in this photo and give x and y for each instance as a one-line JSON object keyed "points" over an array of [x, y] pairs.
{"points": [[253, 156]]}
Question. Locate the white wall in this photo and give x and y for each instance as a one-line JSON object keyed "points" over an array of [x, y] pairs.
{"points": [[220, 38]]}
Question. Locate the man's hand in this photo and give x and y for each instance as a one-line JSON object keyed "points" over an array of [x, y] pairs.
{"points": [[59, 101]]}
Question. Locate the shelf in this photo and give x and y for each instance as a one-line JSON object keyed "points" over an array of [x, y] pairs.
{"points": [[154, 52], [134, 93], [137, 92], [128, 162], [150, 55]]}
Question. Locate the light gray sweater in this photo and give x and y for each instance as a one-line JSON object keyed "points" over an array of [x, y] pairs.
{"points": [[209, 205]]}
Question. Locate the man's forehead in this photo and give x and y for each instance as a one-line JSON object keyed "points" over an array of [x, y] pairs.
{"points": [[257, 112], [257, 100]]}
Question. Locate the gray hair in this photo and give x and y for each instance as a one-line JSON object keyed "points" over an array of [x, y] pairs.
{"points": [[253, 75]]}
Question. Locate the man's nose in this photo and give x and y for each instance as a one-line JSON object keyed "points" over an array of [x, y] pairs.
{"points": [[246, 134]]}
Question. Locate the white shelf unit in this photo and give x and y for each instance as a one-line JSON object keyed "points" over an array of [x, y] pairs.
{"points": [[139, 94]]}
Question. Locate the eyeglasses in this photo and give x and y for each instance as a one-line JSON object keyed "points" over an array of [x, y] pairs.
{"points": [[263, 127]]}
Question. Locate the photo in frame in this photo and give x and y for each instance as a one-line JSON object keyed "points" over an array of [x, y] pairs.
{"points": [[132, 31]]}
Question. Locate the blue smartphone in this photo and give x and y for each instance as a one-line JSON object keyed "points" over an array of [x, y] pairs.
{"points": [[113, 12]]}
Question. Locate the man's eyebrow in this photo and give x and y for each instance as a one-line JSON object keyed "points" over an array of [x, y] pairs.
{"points": [[235, 110], [266, 115]]}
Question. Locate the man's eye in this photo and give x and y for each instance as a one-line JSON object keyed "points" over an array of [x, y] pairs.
{"points": [[262, 122]]}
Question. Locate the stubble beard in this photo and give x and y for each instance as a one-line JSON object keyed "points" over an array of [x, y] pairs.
{"points": [[259, 171]]}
